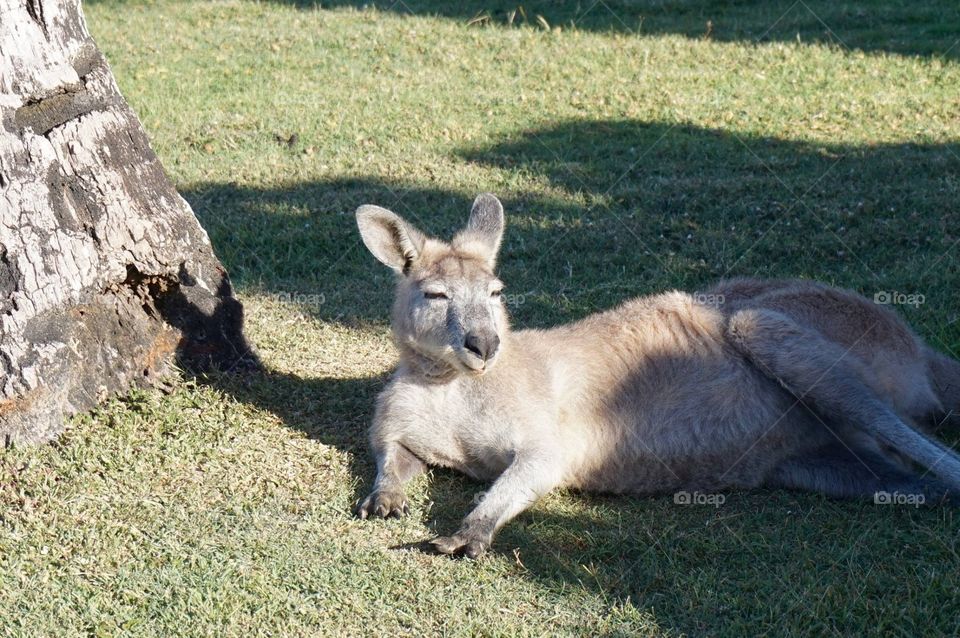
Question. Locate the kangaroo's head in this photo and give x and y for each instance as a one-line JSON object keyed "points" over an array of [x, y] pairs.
{"points": [[447, 315]]}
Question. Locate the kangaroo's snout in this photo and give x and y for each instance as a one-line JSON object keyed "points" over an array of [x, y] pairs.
{"points": [[482, 345]]}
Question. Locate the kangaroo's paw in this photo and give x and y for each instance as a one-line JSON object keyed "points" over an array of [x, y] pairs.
{"points": [[459, 545], [383, 503]]}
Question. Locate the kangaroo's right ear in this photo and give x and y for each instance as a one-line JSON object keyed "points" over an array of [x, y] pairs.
{"points": [[391, 239]]}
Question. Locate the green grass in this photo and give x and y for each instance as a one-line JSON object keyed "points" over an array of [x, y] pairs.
{"points": [[632, 157]]}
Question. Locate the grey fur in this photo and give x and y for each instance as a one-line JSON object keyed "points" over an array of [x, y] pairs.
{"points": [[785, 383]]}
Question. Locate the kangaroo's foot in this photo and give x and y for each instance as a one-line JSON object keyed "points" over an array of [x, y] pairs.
{"points": [[461, 544], [383, 503]]}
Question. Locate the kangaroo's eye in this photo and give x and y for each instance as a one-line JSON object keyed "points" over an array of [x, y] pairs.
{"points": [[496, 293], [435, 295]]}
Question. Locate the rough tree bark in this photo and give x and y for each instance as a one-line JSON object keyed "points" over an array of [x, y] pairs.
{"points": [[105, 273]]}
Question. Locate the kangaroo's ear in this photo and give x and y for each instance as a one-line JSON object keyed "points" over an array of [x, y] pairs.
{"points": [[391, 239], [484, 228]]}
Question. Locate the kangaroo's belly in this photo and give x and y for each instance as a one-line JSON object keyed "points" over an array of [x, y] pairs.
{"points": [[709, 425]]}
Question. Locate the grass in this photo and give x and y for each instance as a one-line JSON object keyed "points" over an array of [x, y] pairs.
{"points": [[630, 160]]}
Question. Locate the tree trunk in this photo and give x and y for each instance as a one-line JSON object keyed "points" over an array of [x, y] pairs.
{"points": [[105, 273]]}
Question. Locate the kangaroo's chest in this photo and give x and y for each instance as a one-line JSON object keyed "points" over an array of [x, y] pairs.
{"points": [[460, 430]]}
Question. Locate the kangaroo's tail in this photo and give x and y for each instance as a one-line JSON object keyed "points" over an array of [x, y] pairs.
{"points": [[945, 378]]}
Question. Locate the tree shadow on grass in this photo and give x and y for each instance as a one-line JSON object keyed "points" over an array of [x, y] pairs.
{"points": [[333, 411], [632, 207], [893, 26], [642, 207]]}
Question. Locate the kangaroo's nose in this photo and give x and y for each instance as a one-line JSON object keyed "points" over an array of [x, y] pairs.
{"points": [[484, 346]]}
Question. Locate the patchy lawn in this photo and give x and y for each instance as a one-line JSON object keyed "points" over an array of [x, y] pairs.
{"points": [[637, 146]]}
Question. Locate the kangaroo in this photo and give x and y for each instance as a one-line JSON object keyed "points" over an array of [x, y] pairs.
{"points": [[785, 384]]}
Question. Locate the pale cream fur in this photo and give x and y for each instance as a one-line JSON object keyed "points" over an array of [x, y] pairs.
{"points": [[779, 383]]}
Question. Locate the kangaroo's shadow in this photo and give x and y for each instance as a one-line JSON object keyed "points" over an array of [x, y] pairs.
{"points": [[754, 562], [759, 562]]}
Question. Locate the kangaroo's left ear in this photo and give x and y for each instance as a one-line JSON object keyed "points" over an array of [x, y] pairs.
{"points": [[484, 228]]}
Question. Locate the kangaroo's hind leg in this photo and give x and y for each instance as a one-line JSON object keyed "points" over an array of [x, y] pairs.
{"points": [[830, 380], [843, 472]]}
